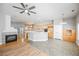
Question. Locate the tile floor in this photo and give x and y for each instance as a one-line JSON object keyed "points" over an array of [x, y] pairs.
{"points": [[57, 47]]}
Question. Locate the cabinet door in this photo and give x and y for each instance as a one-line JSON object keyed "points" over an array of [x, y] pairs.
{"points": [[70, 38], [50, 31], [50, 35]]}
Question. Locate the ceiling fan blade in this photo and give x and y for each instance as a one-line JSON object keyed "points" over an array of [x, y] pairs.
{"points": [[22, 11], [31, 7], [28, 13], [32, 12], [18, 7], [23, 5], [26, 5]]}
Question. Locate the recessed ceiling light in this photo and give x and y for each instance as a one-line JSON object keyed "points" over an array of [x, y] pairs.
{"points": [[73, 10]]}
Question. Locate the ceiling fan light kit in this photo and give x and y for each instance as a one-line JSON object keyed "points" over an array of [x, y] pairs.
{"points": [[25, 9]]}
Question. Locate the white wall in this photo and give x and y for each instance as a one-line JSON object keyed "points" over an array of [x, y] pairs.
{"points": [[70, 23], [7, 22], [1, 22], [77, 30], [5, 26], [1, 26], [17, 25], [77, 41]]}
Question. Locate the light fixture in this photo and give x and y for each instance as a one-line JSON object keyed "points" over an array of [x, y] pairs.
{"points": [[63, 23], [26, 11], [73, 10]]}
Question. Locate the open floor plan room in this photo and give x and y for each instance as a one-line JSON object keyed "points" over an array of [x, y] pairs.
{"points": [[39, 29]]}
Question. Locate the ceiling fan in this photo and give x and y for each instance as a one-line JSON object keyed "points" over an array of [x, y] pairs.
{"points": [[25, 9]]}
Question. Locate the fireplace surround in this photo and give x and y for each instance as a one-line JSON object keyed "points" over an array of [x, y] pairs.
{"points": [[10, 38]]}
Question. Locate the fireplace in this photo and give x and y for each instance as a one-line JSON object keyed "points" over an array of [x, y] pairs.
{"points": [[9, 33], [11, 38]]}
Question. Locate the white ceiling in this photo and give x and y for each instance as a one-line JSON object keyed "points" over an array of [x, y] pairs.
{"points": [[45, 11]]}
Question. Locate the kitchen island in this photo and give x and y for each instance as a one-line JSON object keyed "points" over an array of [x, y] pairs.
{"points": [[38, 36]]}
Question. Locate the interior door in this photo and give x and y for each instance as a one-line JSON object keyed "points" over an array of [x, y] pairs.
{"points": [[58, 31]]}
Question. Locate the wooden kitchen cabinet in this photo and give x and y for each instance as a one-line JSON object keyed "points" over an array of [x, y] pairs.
{"points": [[70, 38], [50, 31]]}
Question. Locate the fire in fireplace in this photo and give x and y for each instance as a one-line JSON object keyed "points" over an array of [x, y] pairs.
{"points": [[11, 38]]}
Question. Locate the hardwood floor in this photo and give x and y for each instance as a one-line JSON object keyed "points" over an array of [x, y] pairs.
{"points": [[50, 47], [20, 49]]}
